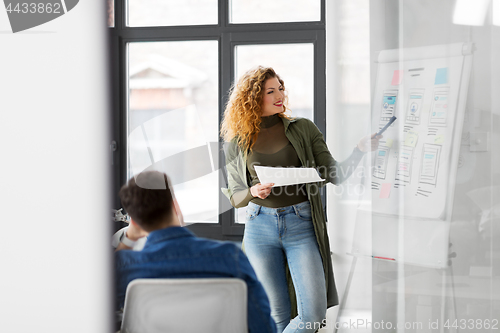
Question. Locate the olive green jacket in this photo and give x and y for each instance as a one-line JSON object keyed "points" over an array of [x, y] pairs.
{"points": [[313, 152]]}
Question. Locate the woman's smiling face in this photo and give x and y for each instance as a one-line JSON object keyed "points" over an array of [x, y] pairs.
{"points": [[274, 94]]}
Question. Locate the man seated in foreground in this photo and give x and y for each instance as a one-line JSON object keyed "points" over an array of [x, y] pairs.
{"points": [[174, 252]]}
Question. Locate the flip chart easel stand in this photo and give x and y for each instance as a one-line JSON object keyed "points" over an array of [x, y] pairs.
{"points": [[446, 279], [409, 207]]}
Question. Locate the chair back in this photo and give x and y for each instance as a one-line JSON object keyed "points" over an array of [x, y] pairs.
{"points": [[215, 305]]}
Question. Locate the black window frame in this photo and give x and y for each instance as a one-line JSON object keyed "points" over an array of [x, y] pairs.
{"points": [[228, 35]]}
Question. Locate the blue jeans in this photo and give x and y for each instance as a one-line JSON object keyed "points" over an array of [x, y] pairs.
{"points": [[273, 237]]}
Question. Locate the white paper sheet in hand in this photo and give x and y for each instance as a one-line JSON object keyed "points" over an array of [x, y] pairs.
{"points": [[286, 176]]}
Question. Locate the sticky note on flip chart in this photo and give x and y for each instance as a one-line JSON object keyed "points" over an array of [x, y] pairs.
{"points": [[439, 139], [388, 143], [441, 76], [396, 78], [411, 139], [385, 191]]}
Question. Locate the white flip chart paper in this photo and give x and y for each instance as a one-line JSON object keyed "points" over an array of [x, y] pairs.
{"points": [[286, 176]]}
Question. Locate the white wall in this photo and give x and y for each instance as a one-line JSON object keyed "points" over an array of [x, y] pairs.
{"points": [[55, 256]]}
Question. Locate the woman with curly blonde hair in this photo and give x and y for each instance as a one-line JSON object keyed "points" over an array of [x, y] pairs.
{"points": [[243, 111], [285, 235]]}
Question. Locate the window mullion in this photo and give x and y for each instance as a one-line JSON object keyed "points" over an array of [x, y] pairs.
{"points": [[223, 13], [226, 76]]}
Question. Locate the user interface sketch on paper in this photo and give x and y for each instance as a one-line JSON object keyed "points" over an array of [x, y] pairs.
{"points": [[388, 107], [415, 98], [412, 163]]}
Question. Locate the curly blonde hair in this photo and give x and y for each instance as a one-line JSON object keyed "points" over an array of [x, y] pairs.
{"points": [[242, 116]]}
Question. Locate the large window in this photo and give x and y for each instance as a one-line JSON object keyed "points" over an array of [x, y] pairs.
{"points": [[172, 116], [174, 64]]}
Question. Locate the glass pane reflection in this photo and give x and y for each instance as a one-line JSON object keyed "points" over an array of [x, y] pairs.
{"points": [[463, 294]]}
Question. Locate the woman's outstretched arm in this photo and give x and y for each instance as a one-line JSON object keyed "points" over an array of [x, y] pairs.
{"points": [[331, 170]]}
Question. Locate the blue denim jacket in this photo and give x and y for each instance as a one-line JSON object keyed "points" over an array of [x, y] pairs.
{"points": [[175, 252]]}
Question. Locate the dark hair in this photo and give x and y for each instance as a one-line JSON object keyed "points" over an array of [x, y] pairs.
{"points": [[147, 198]]}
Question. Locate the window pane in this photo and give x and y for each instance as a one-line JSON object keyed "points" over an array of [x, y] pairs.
{"points": [[294, 63], [173, 117], [111, 13], [145, 13], [296, 69], [264, 11]]}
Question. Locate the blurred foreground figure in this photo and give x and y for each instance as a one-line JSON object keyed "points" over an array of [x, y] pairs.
{"points": [[172, 251]]}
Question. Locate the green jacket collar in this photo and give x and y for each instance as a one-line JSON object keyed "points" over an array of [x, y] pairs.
{"points": [[286, 122]]}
